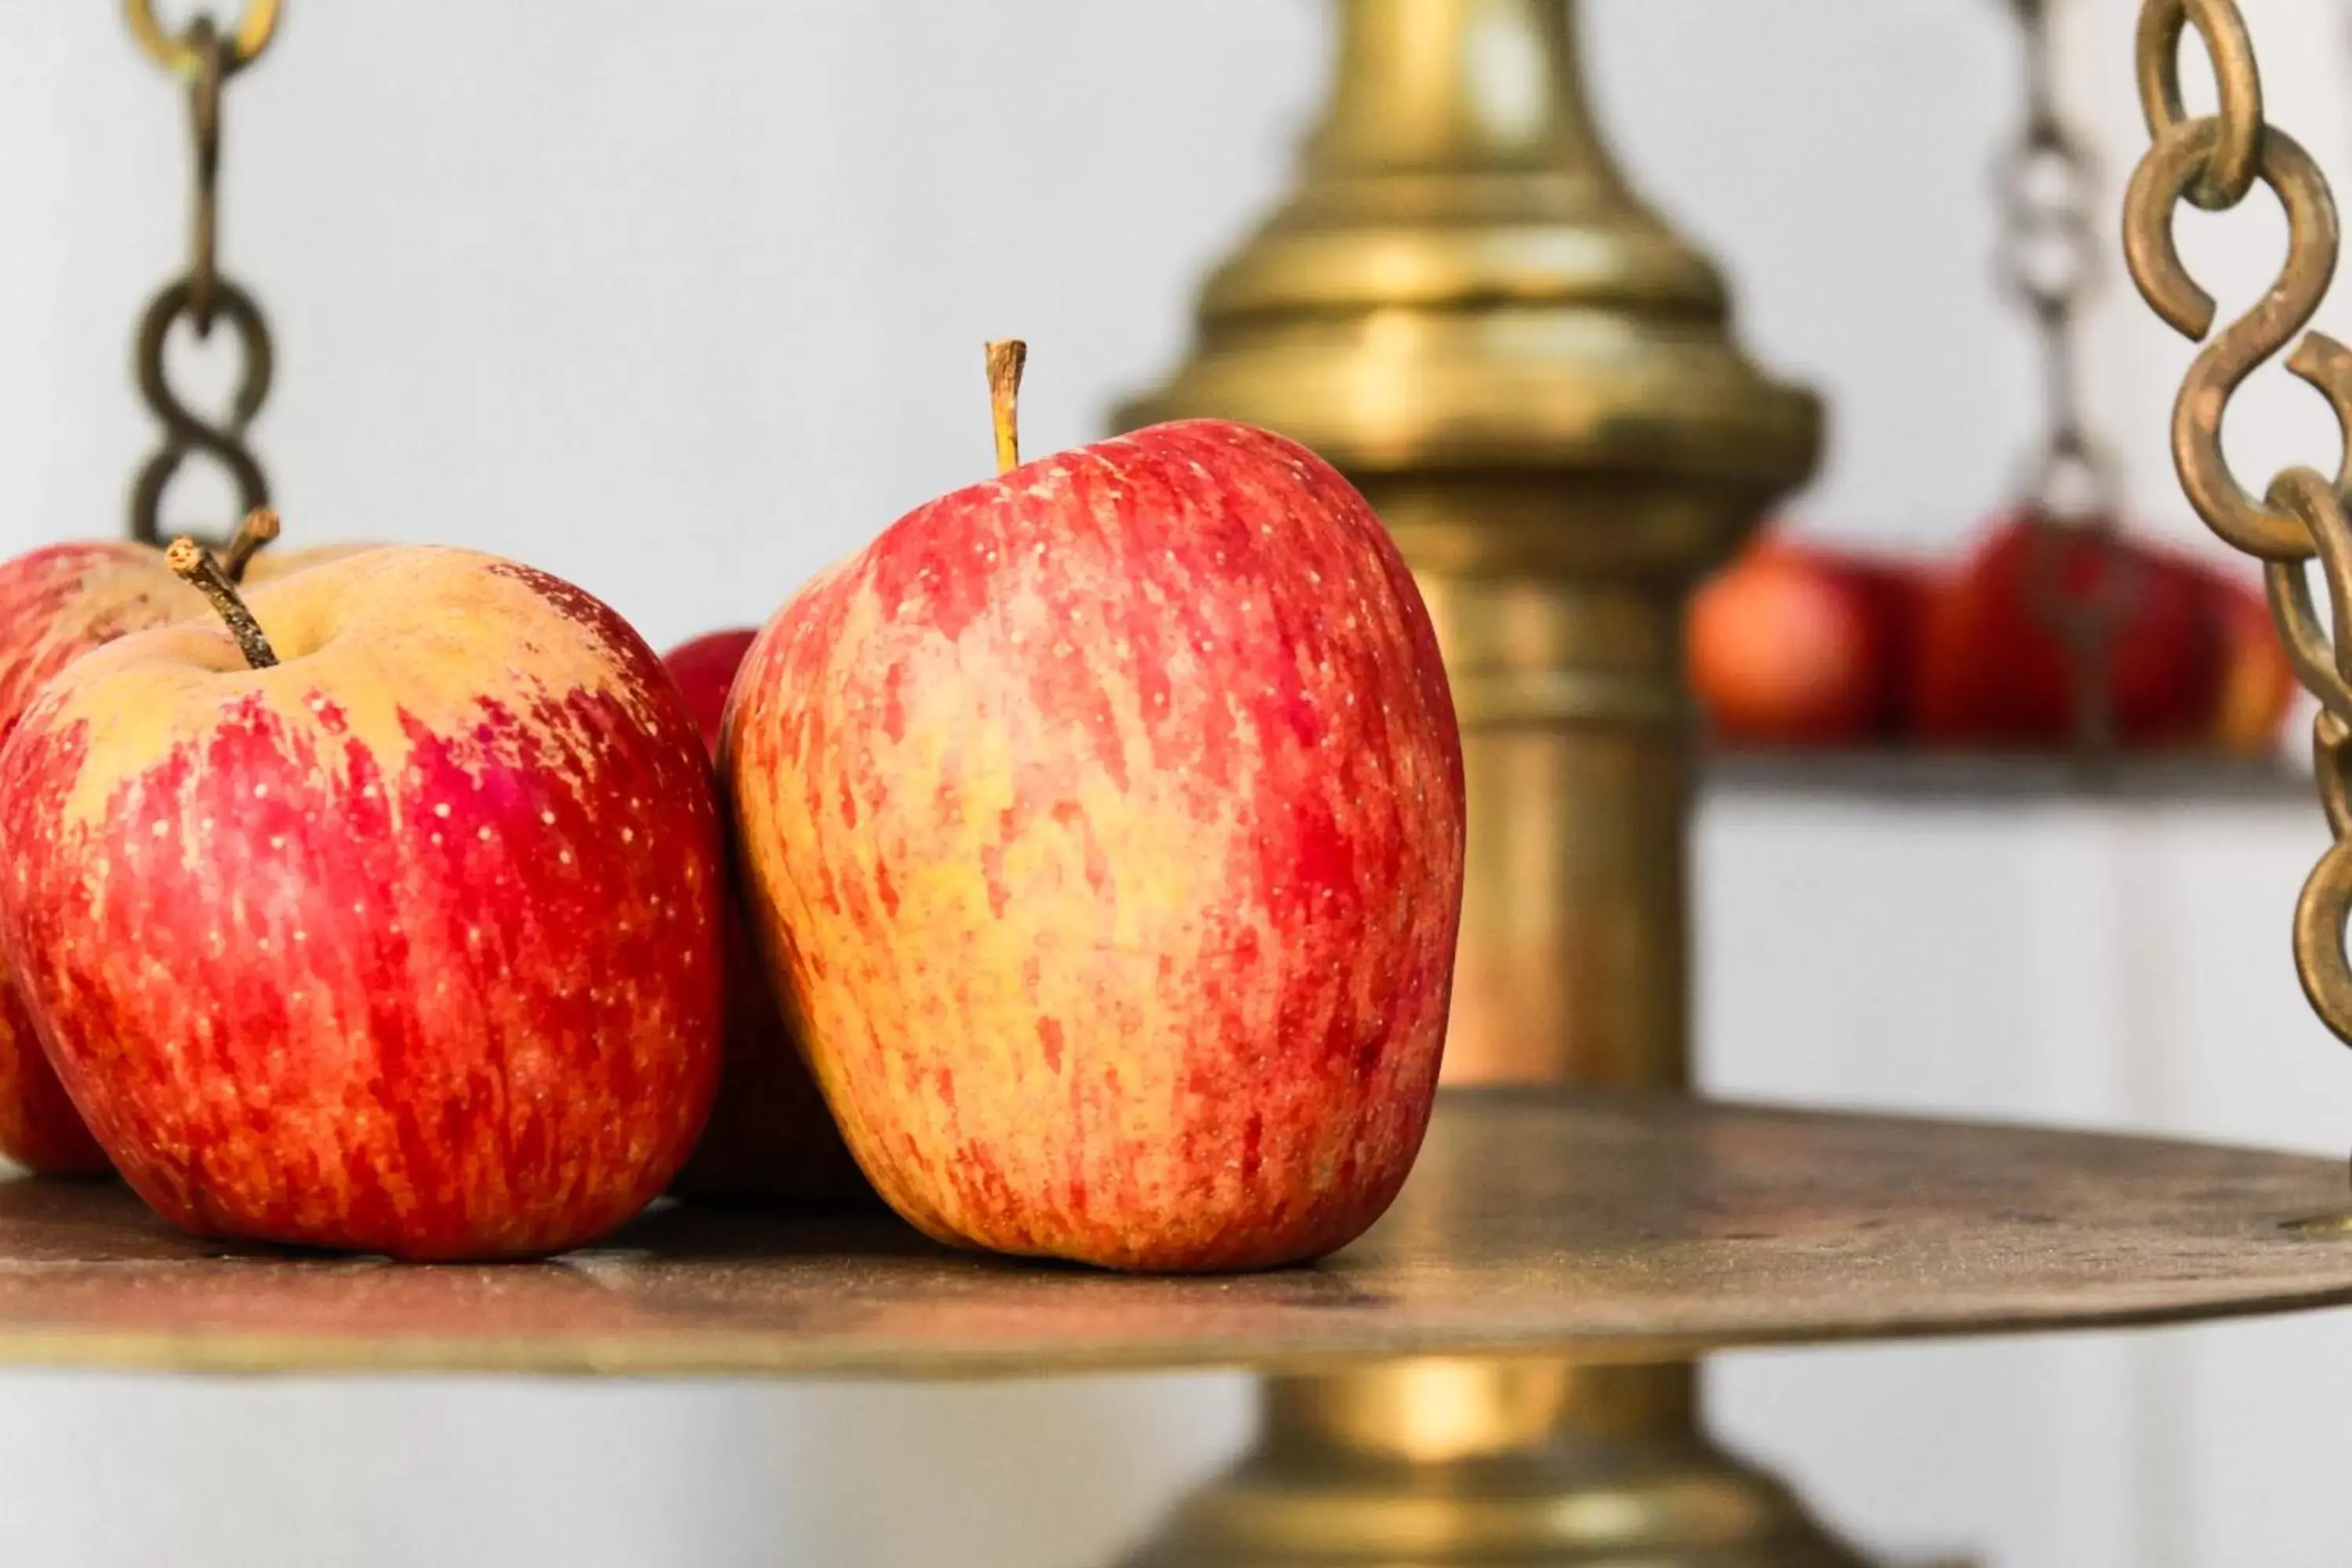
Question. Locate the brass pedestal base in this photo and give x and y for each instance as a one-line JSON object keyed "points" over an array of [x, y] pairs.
{"points": [[1501, 1465]]}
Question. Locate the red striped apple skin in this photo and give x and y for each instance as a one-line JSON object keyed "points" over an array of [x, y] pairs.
{"points": [[1103, 826], [409, 944], [40, 1127], [57, 603]]}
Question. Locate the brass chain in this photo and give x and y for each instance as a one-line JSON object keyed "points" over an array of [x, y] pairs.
{"points": [[205, 58], [2213, 161], [2049, 264]]}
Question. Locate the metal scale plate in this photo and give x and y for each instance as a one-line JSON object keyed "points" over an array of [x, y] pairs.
{"points": [[1897, 776], [1597, 1226]]}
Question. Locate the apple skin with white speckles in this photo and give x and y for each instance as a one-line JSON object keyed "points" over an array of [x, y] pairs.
{"points": [[409, 943], [57, 603], [1104, 828]]}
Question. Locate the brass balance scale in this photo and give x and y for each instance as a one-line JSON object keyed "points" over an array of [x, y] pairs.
{"points": [[1532, 379]]}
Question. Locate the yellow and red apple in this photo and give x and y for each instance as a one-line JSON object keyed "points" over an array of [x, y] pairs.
{"points": [[1994, 670], [397, 929], [1797, 645], [1103, 823], [57, 603]]}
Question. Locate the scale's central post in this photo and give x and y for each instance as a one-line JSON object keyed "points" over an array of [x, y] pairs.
{"points": [[1530, 376], [1532, 379]]}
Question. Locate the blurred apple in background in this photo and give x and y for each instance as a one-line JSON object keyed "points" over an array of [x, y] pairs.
{"points": [[2258, 680], [769, 1139], [1796, 646], [1994, 671], [392, 924], [1105, 821]]}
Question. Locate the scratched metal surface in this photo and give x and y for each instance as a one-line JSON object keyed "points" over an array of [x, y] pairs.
{"points": [[1553, 1222]]}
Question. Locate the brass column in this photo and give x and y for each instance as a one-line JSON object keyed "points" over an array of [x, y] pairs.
{"points": [[1531, 378]]}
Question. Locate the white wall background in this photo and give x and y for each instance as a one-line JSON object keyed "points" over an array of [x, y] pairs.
{"points": [[684, 301]]}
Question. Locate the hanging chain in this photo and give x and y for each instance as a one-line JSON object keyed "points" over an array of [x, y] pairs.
{"points": [[205, 58], [2213, 161], [2049, 260]]}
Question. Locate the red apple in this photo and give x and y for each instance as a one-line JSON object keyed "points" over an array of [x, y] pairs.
{"points": [[1104, 828], [408, 943], [705, 670], [1895, 594], [1992, 670], [2258, 683], [769, 1139], [57, 603], [1796, 646]]}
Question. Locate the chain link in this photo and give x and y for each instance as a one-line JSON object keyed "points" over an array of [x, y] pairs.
{"points": [[2049, 264], [206, 58], [2214, 162]]}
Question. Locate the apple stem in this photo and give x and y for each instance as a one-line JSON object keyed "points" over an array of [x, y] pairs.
{"points": [[259, 527], [194, 565], [1007, 358]]}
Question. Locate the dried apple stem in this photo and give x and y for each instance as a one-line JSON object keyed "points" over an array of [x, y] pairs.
{"points": [[194, 565], [259, 527], [1006, 357]]}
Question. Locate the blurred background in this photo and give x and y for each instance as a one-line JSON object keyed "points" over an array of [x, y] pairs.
{"points": [[684, 301]]}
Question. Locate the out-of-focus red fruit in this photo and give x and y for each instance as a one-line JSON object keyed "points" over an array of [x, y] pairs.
{"points": [[1894, 595], [1992, 670], [2258, 682], [1795, 646]]}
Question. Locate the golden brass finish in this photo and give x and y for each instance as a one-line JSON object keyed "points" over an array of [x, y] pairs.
{"points": [[2214, 162], [1440, 1412], [1373, 1472], [2236, 160], [188, 58], [2162, 181], [1540, 1227], [1464, 285], [201, 296], [1530, 378]]}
